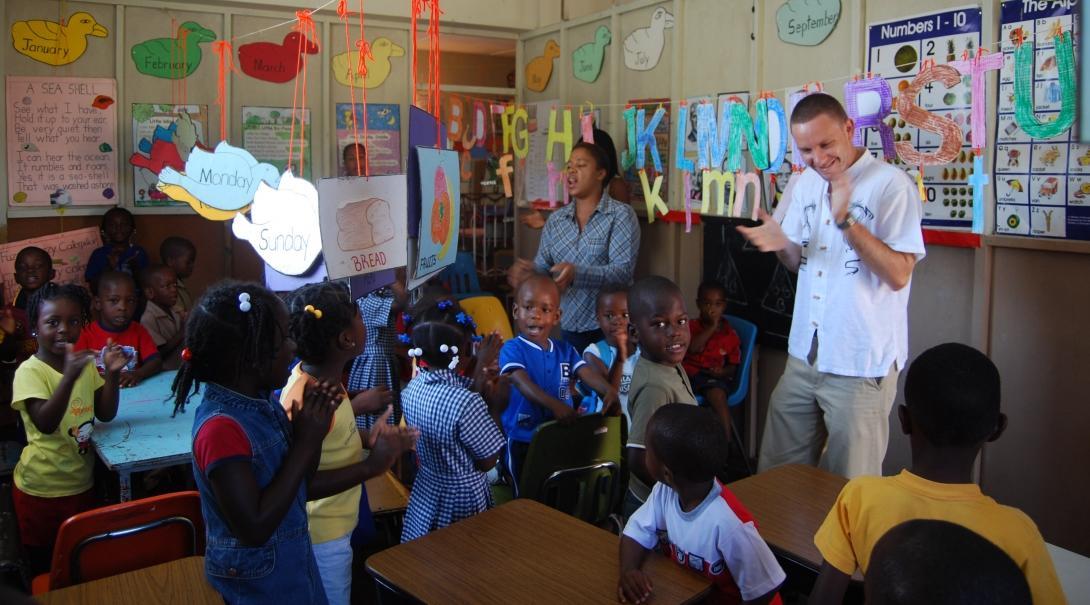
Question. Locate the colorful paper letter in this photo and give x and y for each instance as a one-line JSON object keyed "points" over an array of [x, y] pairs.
{"points": [[913, 114]]}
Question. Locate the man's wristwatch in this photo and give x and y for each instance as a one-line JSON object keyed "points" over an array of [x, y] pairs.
{"points": [[849, 220]]}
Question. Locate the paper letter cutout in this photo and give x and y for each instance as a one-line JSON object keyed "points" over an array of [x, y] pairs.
{"points": [[586, 61], [55, 43], [977, 67], [645, 137], [173, 58], [952, 136], [775, 108], [628, 156], [742, 125], [480, 118], [505, 171], [740, 181], [978, 180], [455, 117], [514, 136], [875, 85], [540, 69], [643, 47], [556, 177], [1023, 89], [711, 141], [556, 135], [687, 179], [276, 62], [586, 125], [651, 196], [717, 181], [797, 164], [680, 161]]}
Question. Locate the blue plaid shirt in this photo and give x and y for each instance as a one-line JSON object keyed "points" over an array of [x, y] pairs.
{"points": [[603, 253]]}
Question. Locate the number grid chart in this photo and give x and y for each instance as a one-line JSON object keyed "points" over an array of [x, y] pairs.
{"points": [[1042, 186], [895, 51]]}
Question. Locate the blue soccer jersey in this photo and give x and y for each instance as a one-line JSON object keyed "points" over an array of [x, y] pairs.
{"points": [[552, 370]]}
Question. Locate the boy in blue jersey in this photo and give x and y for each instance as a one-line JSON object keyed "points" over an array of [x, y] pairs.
{"points": [[541, 369]]}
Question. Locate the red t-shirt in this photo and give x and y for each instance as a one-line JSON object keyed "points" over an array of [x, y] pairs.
{"points": [[722, 346], [135, 341], [219, 439]]}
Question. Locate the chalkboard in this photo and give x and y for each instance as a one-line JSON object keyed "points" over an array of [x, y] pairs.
{"points": [[759, 287]]}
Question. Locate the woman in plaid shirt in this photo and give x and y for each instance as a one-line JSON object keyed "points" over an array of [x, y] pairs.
{"points": [[585, 245]]}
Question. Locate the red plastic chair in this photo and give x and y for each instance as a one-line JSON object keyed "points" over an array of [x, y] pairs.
{"points": [[125, 537]]}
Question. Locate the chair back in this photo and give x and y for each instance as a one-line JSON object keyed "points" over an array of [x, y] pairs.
{"points": [[575, 468], [462, 276], [747, 333], [128, 536], [489, 314]]}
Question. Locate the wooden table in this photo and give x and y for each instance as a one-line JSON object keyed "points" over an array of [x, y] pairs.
{"points": [[522, 551], [143, 436], [181, 581], [385, 494], [789, 503]]}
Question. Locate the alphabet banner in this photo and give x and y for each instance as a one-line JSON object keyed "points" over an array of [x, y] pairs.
{"points": [[901, 51], [1042, 185]]}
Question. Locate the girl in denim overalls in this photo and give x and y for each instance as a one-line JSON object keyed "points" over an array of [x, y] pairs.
{"points": [[250, 462]]}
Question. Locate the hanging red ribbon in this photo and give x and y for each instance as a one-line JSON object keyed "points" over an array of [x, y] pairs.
{"points": [[342, 14], [304, 25], [433, 39], [416, 9], [226, 64], [361, 68]]}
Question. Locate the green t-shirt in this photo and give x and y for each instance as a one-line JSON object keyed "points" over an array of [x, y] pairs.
{"points": [[653, 386]]}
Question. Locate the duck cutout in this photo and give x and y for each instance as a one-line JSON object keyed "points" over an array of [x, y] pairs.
{"points": [[586, 61], [274, 62], [55, 43], [378, 64], [217, 184], [283, 225], [540, 69], [643, 47], [172, 58]]}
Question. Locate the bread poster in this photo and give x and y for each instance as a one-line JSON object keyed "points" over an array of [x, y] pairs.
{"points": [[364, 224]]}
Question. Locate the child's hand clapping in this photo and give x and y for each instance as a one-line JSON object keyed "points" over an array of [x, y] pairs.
{"points": [[371, 401], [388, 442], [74, 361], [310, 418], [488, 351]]}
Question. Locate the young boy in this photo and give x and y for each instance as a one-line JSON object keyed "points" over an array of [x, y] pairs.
{"points": [[613, 356], [700, 523], [951, 409], [941, 563], [714, 351], [354, 158], [540, 369], [163, 321], [33, 269], [180, 254], [115, 303], [117, 252], [658, 312]]}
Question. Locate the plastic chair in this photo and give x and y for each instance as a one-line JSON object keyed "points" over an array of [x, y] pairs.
{"points": [[489, 314], [573, 468], [462, 277], [747, 334], [125, 537]]}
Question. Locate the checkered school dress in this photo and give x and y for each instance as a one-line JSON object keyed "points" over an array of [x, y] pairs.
{"points": [[455, 429], [376, 365]]}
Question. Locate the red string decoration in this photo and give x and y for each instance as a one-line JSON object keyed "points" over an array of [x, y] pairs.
{"points": [[226, 64], [414, 14], [342, 14], [305, 26], [433, 80], [361, 68]]}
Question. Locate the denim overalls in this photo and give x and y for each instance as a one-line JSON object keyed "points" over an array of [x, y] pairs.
{"points": [[282, 570]]}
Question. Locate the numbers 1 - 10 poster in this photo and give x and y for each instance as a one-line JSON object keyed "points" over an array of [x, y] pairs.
{"points": [[1042, 186], [895, 51]]}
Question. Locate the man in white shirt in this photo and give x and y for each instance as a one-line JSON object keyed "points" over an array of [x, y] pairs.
{"points": [[852, 232]]}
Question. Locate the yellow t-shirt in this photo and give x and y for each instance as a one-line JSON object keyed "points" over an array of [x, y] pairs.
{"points": [[868, 507], [57, 464], [333, 517]]}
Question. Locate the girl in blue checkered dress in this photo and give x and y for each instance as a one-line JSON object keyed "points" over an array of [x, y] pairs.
{"points": [[460, 438], [375, 369]]}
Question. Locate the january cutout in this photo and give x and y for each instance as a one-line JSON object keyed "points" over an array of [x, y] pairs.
{"points": [[173, 58], [643, 47], [379, 65], [220, 183], [56, 43], [276, 62], [283, 225], [364, 224], [441, 206]]}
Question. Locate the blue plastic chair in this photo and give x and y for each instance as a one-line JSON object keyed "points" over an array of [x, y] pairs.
{"points": [[462, 277], [747, 334]]}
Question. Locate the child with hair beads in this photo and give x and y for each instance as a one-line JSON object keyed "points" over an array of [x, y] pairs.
{"points": [[329, 333], [58, 394], [374, 372], [460, 437], [250, 462], [117, 252]]}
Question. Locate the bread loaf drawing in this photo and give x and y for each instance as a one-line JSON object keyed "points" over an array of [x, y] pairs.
{"points": [[364, 224]]}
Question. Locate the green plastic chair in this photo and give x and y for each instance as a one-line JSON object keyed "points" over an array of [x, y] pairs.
{"points": [[573, 468]]}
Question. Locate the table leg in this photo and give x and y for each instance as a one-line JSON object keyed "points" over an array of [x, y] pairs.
{"points": [[125, 485]]}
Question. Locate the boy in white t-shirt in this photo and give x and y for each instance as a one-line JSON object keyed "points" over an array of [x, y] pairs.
{"points": [[613, 356], [700, 524]]}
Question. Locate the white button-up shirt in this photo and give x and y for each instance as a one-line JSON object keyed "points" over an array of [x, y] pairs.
{"points": [[860, 321]]}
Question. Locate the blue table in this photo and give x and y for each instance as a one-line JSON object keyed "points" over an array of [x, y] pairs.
{"points": [[143, 436]]}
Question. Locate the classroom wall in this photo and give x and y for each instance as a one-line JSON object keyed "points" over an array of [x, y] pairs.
{"points": [[1017, 299]]}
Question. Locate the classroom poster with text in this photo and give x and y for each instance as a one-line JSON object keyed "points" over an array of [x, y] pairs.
{"points": [[267, 133], [383, 136], [62, 140], [163, 135]]}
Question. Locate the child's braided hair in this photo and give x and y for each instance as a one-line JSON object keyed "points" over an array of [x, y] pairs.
{"points": [[52, 291], [437, 322], [330, 312]]}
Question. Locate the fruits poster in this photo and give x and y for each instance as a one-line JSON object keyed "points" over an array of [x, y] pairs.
{"points": [[1042, 186], [896, 50], [440, 204], [363, 223]]}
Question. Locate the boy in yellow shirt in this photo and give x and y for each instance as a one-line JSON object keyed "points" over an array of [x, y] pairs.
{"points": [[952, 409]]}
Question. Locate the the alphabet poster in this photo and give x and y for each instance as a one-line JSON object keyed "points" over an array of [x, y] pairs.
{"points": [[1042, 187], [383, 135], [163, 135], [896, 50], [364, 224], [266, 133], [440, 199], [62, 140], [69, 250]]}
